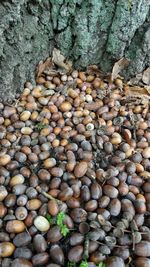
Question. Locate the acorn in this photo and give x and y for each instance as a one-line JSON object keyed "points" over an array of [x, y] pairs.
{"points": [[80, 169], [96, 191], [3, 193], [110, 191], [22, 200], [40, 259], [146, 153], [6, 249], [25, 115], [97, 257], [65, 194], [41, 223], [115, 207], [30, 218], [122, 252], [22, 239], [4, 160], [76, 239], [57, 255], [39, 243], [114, 262], [19, 189], [3, 210], [65, 106], [53, 208], [10, 200], [49, 163], [142, 261], [33, 204], [78, 215], [21, 262], [142, 249], [4, 237], [15, 226], [75, 254], [54, 234], [21, 213], [91, 205], [23, 252], [84, 228]]}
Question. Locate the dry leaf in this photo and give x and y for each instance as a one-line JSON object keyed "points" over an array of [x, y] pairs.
{"points": [[146, 76], [42, 66], [137, 95], [135, 80], [145, 174], [94, 70], [119, 66], [147, 89], [129, 261], [137, 91], [53, 72], [60, 61]]}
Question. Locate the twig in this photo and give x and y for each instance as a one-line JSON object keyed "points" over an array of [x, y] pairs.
{"points": [[134, 228], [86, 248], [116, 246], [40, 190], [16, 142], [131, 116], [133, 240]]}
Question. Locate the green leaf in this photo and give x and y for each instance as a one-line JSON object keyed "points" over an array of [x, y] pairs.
{"points": [[70, 264], [41, 126], [60, 218], [49, 217], [83, 264], [64, 230], [101, 264]]}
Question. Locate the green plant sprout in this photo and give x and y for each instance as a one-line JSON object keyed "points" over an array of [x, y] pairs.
{"points": [[60, 217], [64, 230], [101, 264], [41, 126], [59, 220], [49, 218], [83, 264], [70, 264]]}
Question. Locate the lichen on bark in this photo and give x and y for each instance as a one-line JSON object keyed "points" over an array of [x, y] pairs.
{"points": [[86, 31]]}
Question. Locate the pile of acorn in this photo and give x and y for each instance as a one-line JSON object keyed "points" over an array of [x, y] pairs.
{"points": [[74, 175]]}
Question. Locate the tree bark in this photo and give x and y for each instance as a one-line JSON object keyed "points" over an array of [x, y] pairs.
{"points": [[86, 31]]}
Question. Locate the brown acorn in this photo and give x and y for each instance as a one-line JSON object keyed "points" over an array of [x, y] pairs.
{"points": [[142, 249], [15, 226], [40, 259], [21, 262], [142, 261], [6, 249], [57, 255], [115, 261], [75, 254], [80, 169], [54, 234]]}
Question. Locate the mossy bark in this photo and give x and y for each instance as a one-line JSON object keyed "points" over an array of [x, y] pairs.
{"points": [[87, 31]]}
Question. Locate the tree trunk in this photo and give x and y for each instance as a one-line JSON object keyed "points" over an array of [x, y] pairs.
{"points": [[87, 31]]}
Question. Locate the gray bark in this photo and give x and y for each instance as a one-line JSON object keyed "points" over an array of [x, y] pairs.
{"points": [[87, 31]]}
